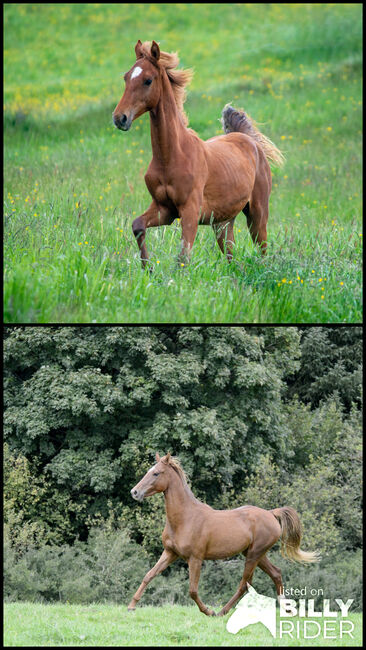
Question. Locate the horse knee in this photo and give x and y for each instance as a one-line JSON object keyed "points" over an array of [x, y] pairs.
{"points": [[193, 593]]}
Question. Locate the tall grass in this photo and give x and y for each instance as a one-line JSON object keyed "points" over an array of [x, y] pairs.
{"points": [[73, 184]]}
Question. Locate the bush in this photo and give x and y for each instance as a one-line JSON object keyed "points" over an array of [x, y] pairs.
{"points": [[110, 567]]}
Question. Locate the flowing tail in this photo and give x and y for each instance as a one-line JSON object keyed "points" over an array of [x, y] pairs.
{"points": [[291, 536], [237, 120]]}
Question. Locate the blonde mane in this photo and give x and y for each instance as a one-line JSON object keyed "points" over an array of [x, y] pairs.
{"points": [[175, 464], [179, 79]]}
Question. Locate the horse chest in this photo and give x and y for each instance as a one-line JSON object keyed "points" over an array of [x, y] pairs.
{"points": [[179, 545], [166, 192], [160, 193]]}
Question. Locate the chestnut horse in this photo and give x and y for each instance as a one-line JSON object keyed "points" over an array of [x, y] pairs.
{"points": [[200, 182], [195, 532]]}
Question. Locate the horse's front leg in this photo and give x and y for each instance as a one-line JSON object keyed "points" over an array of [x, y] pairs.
{"points": [[189, 215], [165, 559], [225, 237], [194, 576], [155, 215]]}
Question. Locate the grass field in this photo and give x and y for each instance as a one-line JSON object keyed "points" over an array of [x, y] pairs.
{"points": [[28, 624], [73, 183]]}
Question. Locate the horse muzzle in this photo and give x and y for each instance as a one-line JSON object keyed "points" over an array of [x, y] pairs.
{"points": [[137, 495], [122, 121]]}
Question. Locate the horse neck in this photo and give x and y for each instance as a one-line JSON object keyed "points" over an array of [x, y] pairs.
{"points": [[179, 500], [166, 125]]}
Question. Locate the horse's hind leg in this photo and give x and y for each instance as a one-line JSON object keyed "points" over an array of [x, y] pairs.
{"points": [[250, 565], [194, 576], [256, 210], [155, 215], [257, 218], [254, 554], [165, 559], [273, 573], [225, 237]]}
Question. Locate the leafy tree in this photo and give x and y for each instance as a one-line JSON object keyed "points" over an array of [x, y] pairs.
{"points": [[331, 361], [93, 404], [262, 415]]}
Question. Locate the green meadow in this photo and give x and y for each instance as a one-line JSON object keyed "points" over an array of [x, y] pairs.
{"points": [[73, 183], [30, 624]]}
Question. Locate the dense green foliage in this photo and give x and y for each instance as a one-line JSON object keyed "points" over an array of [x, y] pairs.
{"points": [[256, 415], [73, 184]]}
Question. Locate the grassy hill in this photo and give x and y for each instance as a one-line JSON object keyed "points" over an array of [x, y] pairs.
{"points": [[73, 183]]}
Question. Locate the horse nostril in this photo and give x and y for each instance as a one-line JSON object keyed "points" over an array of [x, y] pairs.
{"points": [[120, 120]]}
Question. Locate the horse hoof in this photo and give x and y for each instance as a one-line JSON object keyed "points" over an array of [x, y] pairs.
{"points": [[131, 609]]}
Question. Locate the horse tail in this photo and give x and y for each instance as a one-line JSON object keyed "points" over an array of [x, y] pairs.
{"points": [[238, 120], [291, 536]]}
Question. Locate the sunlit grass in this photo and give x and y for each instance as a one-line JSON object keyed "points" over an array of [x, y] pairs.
{"points": [[73, 184], [31, 624]]}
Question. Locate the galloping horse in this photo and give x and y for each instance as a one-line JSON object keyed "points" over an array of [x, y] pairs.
{"points": [[200, 182], [195, 532]]}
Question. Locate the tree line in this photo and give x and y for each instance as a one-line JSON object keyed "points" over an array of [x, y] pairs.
{"points": [[264, 415]]}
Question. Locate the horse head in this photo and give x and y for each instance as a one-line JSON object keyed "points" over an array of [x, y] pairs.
{"points": [[143, 84]]}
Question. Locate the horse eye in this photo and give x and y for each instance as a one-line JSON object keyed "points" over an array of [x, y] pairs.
{"points": [[156, 473], [147, 82]]}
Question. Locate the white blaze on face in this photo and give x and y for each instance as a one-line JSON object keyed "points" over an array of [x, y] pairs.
{"points": [[136, 71], [151, 469]]}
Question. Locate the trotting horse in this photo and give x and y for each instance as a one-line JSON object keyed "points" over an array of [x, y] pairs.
{"points": [[200, 182], [195, 532]]}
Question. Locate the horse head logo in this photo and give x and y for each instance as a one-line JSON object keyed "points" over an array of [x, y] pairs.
{"points": [[253, 608]]}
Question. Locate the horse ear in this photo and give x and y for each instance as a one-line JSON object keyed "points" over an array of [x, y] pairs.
{"points": [[155, 51], [138, 49], [167, 458], [157, 457]]}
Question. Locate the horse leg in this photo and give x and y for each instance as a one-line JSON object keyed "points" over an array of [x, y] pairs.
{"points": [[225, 237], [155, 215], [250, 565], [194, 576], [257, 218], [189, 216], [256, 210], [273, 573], [166, 558]]}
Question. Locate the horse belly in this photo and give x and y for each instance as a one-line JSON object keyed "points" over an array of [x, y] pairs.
{"points": [[225, 198], [227, 540], [230, 180]]}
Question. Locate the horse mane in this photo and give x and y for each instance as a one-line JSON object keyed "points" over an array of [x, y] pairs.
{"points": [[174, 462], [179, 79]]}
